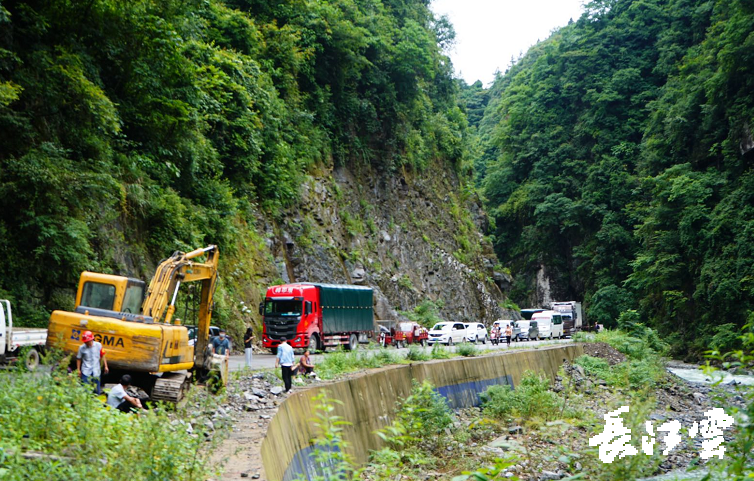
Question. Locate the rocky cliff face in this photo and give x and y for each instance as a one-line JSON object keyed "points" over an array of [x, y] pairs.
{"points": [[411, 238]]}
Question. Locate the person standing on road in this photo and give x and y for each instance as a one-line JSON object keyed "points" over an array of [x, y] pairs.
{"points": [[508, 334], [285, 360], [119, 398], [247, 338], [221, 344], [88, 360]]}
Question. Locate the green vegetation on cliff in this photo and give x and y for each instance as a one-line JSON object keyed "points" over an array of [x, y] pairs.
{"points": [[132, 129], [616, 154]]}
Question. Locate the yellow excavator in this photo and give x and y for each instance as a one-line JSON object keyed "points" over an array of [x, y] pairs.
{"points": [[138, 332]]}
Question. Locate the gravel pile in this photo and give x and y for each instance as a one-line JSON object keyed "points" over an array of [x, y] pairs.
{"points": [[604, 351]]}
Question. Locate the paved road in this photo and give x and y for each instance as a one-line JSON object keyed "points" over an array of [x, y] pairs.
{"points": [[267, 360]]}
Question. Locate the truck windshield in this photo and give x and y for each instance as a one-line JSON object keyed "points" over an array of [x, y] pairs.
{"points": [[282, 308], [98, 296]]}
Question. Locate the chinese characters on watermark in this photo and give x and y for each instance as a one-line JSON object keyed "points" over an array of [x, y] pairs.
{"points": [[615, 440]]}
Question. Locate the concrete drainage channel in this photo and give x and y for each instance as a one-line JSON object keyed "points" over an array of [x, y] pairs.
{"points": [[369, 402]]}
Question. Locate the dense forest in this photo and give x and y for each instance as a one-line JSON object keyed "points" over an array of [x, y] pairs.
{"points": [[616, 160], [129, 130], [615, 157]]}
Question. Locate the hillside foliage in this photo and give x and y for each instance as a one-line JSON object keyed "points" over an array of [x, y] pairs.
{"points": [[130, 130], [616, 155]]}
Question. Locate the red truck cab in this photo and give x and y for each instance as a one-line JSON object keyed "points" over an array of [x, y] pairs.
{"points": [[292, 311], [316, 316]]}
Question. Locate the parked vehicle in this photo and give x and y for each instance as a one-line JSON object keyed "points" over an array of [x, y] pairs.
{"points": [[317, 316], [447, 333], [573, 317], [401, 334], [521, 331], [19, 343], [533, 332], [550, 324], [526, 314], [194, 330], [475, 332]]}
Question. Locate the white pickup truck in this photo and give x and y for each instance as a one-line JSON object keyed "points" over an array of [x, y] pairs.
{"points": [[19, 341]]}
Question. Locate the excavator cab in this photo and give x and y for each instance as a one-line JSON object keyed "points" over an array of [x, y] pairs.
{"points": [[104, 292]]}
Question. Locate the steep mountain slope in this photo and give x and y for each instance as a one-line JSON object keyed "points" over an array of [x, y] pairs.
{"points": [[308, 139], [621, 163]]}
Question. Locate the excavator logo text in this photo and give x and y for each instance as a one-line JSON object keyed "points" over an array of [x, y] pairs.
{"points": [[111, 341]]}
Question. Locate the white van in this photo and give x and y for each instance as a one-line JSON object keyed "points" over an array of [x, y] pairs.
{"points": [[550, 324]]}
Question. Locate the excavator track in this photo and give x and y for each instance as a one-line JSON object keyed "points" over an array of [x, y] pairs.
{"points": [[171, 387]]}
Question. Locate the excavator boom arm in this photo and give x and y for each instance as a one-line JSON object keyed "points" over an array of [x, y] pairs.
{"points": [[163, 290]]}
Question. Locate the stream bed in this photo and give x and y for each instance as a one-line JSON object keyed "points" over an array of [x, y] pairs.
{"points": [[697, 376]]}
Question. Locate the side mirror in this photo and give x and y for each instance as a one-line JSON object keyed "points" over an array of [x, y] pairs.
{"points": [[261, 308]]}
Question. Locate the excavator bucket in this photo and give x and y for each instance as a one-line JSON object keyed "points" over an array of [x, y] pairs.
{"points": [[218, 373]]}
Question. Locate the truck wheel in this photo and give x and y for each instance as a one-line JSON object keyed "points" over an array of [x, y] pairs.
{"points": [[353, 342], [31, 359], [314, 343], [274, 351]]}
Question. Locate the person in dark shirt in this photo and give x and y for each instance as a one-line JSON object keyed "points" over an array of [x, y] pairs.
{"points": [[247, 339]]}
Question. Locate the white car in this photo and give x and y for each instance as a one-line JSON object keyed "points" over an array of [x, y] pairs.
{"points": [[475, 332], [447, 333]]}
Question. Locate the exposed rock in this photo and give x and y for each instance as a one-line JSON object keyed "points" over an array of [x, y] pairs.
{"points": [[376, 228], [549, 475], [277, 390]]}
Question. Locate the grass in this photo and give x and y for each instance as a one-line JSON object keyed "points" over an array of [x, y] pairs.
{"points": [[439, 352], [644, 365], [54, 415], [531, 398], [467, 349], [340, 362], [415, 353]]}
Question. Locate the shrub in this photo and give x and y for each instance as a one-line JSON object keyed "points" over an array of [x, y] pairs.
{"points": [[415, 353], [56, 415], [594, 366], [439, 352], [726, 338], [340, 361], [425, 411], [467, 349], [642, 342], [633, 373], [427, 313], [420, 420], [532, 398]]}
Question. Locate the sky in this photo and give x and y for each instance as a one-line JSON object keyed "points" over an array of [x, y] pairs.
{"points": [[489, 32]]}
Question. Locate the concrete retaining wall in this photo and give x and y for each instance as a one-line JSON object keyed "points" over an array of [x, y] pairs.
{"points": [[369, 402]]}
